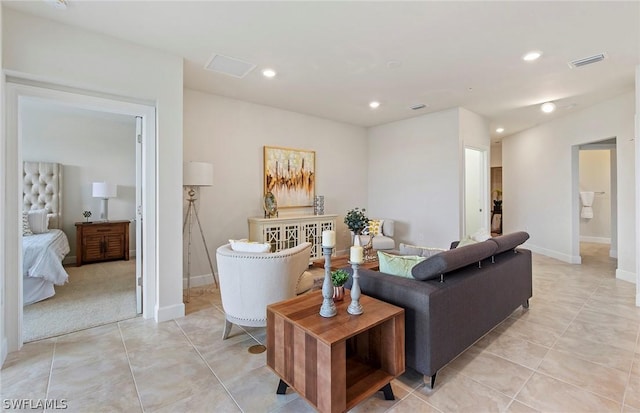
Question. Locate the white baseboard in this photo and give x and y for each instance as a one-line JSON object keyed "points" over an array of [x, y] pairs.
{"points": [[198, 280], [596, 240], [169, 313], [625, 275], [613, 253], [571, 259]]}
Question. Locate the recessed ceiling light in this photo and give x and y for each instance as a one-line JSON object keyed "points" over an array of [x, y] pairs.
{"points": [[269, 73], [531, 56], [374, 104], [500, 130], [548, 107]]}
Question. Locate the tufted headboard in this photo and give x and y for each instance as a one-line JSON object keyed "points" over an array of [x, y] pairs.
{"points": [[42, 189]]}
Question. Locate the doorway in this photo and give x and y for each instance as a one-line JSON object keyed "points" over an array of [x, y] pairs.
{"points": [[475, 190], [595, 193], [90, 146], [17, 92], [597, 185]]}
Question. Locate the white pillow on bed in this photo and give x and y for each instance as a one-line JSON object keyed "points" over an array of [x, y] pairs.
{"points": [[26, 229], [38, 221]]}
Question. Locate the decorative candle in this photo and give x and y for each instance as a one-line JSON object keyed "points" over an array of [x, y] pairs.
{"points": [[357, 254], [328, 239]]}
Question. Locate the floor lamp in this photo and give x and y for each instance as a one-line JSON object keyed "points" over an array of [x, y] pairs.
{"points": [[195, 175]]}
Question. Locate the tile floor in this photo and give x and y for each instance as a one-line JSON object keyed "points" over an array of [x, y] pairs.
{"points": [[575, 350]]}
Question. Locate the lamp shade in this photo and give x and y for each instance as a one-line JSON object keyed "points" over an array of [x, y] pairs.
{"points": [[104, 190], [197, 174]]}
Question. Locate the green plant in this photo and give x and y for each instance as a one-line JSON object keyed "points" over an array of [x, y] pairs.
{"points": [[339, 277], [356, 220]]}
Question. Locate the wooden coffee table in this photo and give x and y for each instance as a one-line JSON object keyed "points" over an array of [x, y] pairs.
{"points": [[335, 363], [342, 261]]}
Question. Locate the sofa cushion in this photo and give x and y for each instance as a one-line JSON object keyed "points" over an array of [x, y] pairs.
{"points": [[379, 243], [407, 249], [450, 260], [509, 241], [399, 265]]}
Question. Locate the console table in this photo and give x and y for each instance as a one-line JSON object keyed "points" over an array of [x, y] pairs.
{"points": [[287, 232], [335, 363]]}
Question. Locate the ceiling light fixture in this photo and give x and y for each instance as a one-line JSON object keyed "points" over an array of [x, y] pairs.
{"points": [[269, 73], [548, 107], [500, 130], [531, 56], [374, 104]]}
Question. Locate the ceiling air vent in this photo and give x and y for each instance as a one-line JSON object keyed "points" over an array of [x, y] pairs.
{"points": [[587, 60], [418, 106], [229, 66]]}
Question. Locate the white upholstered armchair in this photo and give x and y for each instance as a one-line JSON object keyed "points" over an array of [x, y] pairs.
{"points": [[249, 281]]}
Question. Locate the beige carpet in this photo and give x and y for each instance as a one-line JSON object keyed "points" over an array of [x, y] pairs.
{"points": [[96, 294]]}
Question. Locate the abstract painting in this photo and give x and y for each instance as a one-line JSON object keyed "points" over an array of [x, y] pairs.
{"points": [[290, 175]]}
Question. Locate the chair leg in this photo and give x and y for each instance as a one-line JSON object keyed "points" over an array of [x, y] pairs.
{"points": [[227, 329]]}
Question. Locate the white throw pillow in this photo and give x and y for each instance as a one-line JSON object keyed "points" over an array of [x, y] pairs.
{"points": [[38, 221], [242, 245], [26, 229], [481, 235]]}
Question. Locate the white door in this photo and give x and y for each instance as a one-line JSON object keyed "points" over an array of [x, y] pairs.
{"points": [[139, 248], [475, 190]]}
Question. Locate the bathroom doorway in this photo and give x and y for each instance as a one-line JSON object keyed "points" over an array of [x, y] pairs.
{"points": [[597, 193]]}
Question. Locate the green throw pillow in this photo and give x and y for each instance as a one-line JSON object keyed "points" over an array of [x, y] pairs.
{"points": [[399, 265]]}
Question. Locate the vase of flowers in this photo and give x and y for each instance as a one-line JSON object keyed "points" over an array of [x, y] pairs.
{"points": [[338, 278], [356, 221]]}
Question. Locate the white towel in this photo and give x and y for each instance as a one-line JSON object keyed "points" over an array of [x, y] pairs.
{"points": [[587, 202]]}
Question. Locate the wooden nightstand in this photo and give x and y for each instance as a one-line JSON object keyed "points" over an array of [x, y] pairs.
{"points": [[102, 241]]}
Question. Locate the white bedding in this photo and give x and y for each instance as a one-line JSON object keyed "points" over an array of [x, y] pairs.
{"points": [[43, 254]]}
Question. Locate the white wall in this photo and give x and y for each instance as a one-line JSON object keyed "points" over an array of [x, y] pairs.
{"points": [[231, 135], [474, 133], [595, 176], [414, 177], [92, 147], [3, 336], [496, 155], [537, 180], [39, 49], [637, 176]]}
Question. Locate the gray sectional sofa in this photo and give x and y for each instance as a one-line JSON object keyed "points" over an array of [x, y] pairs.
{"points": [[455, 297]]}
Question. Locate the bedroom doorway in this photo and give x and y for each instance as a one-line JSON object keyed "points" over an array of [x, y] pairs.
{"points": [[475, 190], [90, 147], [143, 136]]}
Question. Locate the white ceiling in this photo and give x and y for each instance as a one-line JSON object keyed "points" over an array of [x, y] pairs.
{"points": [[332, 58]]}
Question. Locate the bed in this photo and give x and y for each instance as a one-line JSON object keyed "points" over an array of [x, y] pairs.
{"points": [[44, 244]]}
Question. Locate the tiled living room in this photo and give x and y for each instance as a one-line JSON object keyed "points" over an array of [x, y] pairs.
{"points": [[576, 349], [388, 97]]}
